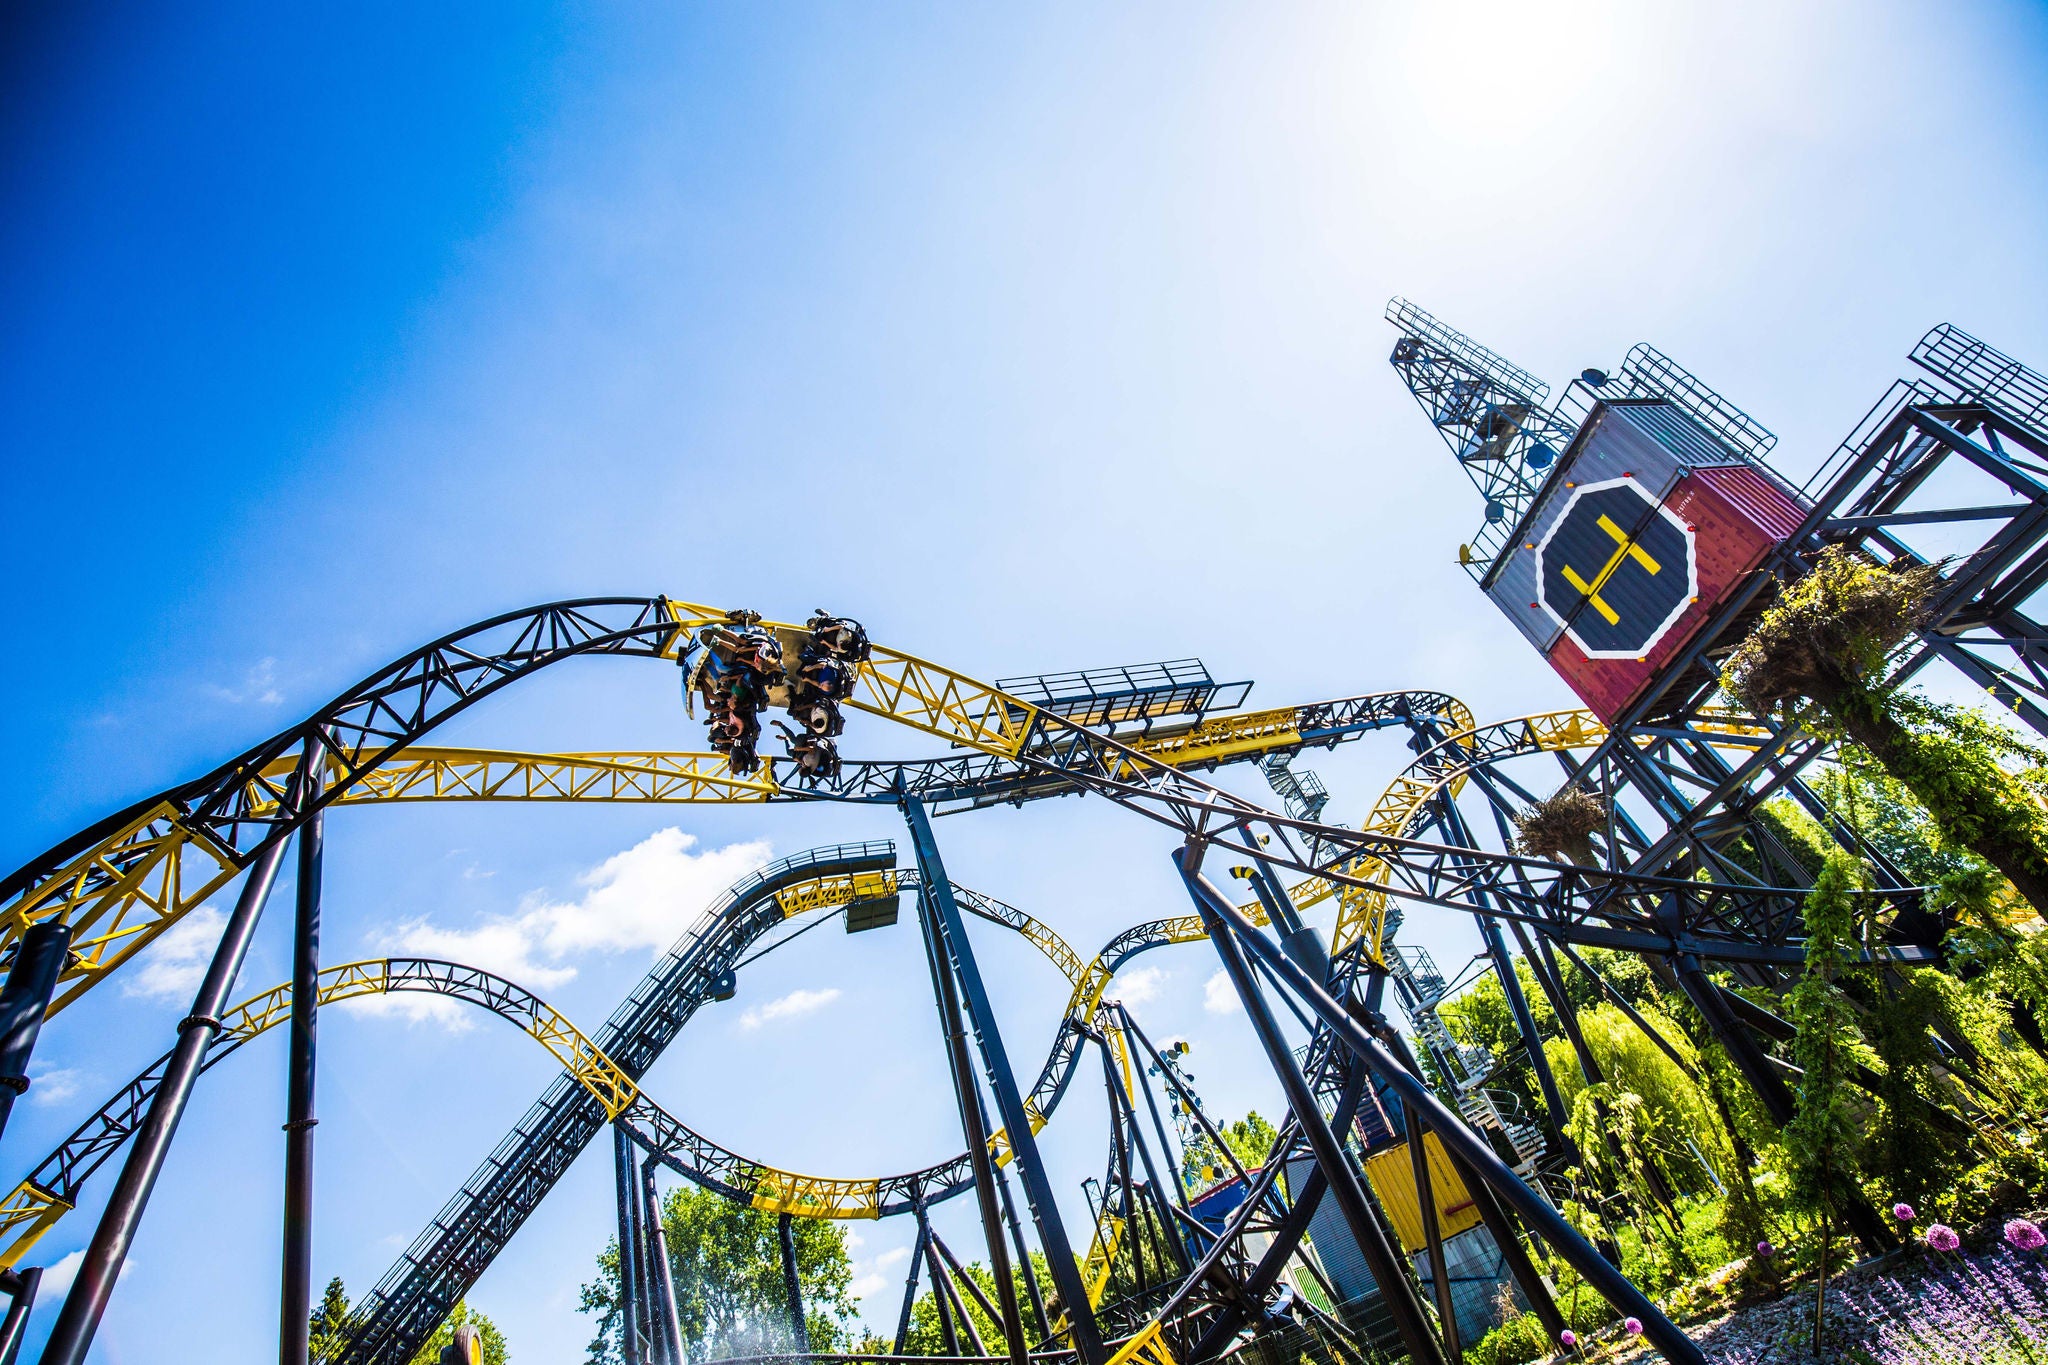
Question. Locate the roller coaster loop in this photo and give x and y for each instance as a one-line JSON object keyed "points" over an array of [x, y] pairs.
{"points": [[52, 1189]]}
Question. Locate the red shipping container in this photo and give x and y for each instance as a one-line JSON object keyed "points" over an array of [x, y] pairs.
{"points": [[1737, 515]]}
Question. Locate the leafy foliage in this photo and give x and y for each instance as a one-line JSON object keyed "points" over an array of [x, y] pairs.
{"points": [[1824, 1137], [1250, 1139], [726, 1260], [1828, 631], [1825, 641], [330, 1317], [1562, 823], [492, 1340], [926, 1338]]}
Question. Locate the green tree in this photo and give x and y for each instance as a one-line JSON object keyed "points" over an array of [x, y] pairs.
{"points": [[1250, 1139], [927, 1338], [330, 1320], [464, 1316], [1824, 1137], [330, 1317], [726, 1260], [1826, 642]]}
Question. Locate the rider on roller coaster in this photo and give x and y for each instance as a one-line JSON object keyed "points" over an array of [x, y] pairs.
{"points": [[741, 669]]}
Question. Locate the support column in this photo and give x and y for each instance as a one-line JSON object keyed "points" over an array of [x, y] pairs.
{"points": [[667, 1315], [38, 962], [967, 1093], [1155, 1196], [917, 1254], [295, 1298], [1397, 1290], [1432, 1234], [1017, 1243], [1544, 968], [963, 1281], [1555, 1114], [1752, 1061], [21, 1287], [1498, 1226], [948, 1284], [630, 1248], [1052, 1233], [1610, 1283], [792, 1285], [94, 1283]]}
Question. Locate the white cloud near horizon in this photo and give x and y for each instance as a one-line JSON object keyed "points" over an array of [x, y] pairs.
{"points": [[1219, 996], [57, 1279], [172, 967], [791, 1006], [53, 1084], [1140, 987], [413, 1008], [641, 899]]}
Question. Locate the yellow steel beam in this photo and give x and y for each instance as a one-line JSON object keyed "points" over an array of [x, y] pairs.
{"points": [[810, 1196], [131, 886], [1362, 912], [829, 893], [30, 1210], [157, 869], [1148, 1347]]}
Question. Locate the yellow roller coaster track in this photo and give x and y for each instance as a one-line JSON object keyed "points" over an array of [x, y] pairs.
{"points": [[31, 1211], [1362, 911], [135, 881]]}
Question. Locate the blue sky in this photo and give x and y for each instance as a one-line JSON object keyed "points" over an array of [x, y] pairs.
{"points": [[1038, 339]]}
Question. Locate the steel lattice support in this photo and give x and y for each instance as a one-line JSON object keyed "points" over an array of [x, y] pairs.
{"points": [[957, 958]]}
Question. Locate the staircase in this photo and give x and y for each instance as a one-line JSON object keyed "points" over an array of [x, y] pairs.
{"points": [[1416, 969], [1303, 793], [1502, 1112]]}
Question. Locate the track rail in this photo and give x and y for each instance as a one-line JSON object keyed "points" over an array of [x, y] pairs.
{"points": [[125, 880]]}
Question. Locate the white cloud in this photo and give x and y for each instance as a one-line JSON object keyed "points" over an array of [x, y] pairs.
{"points": [[259, 685], [864, 1285], [1141, 986], [53, 1084], [892, 1257], [504, 946], [798, 1002], [1219, 996], [639, 899], [414, 1007], [173, 966], [57, 1279]]}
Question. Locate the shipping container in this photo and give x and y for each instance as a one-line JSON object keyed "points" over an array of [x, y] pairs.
{"points": [[1733, 515]]}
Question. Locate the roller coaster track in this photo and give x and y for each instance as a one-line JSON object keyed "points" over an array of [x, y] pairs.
{"points": [[124, 881], [434, 1272], [591, 1081], [52, 1188]]}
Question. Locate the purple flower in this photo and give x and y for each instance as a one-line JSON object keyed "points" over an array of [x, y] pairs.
{"points": [[1568, 1337], [2025, 1236], [1903, 1212], [1942, 1237], [1766, 1250], [1634, 1326]]}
